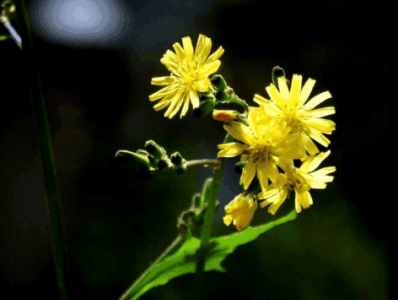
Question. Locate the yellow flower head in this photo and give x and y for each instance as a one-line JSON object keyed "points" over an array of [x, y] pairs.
{"points": [[189, 75], [263, 139], [240, 211], [291, 107], [301, 180]]}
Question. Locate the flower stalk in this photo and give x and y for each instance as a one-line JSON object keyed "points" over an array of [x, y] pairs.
{"points": [[53, 199]]}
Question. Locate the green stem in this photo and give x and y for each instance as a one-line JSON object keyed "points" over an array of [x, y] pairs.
{"points": [[203, 162], [53, 208], [165, 252], [207, 226]]}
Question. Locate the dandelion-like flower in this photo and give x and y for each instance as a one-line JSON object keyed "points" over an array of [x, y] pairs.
{"points": [[291, 107], [189, 75], [301, 180], [259, 142], [240, 211]]}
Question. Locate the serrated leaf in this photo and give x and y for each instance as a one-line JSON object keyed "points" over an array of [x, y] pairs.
{"points": [[183, 261]]}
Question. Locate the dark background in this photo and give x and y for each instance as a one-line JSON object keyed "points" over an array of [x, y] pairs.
{"points": [[116, 225]]}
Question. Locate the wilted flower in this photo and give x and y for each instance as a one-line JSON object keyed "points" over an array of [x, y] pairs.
{"points": [[240, 211]]}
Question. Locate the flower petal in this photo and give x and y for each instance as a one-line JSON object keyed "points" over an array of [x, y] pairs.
{"points": [[248, 174], [231, 149], [306, 91], [318, 99]]}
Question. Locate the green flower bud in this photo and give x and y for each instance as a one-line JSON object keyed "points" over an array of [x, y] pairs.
{"points": [[176, 159], [218, 82], [154, 149], [138, 159]]}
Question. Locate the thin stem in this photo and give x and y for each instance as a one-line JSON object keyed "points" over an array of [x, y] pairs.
{"points": [[165, 252], [53, 208], [203, 163]]}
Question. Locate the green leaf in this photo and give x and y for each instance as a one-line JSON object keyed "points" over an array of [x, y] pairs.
{"points": [[183, 261]]}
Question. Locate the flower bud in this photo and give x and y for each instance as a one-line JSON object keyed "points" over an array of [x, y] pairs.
{"points": [[226, 116], [240, 211], [154, 149], [218, 82]]}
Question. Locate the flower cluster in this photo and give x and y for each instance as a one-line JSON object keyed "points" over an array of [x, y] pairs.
{"points": [[269, 138], [280, 131]]}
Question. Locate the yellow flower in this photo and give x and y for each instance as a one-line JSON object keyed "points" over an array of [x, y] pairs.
{"points": [[189, 75], [263, 139], [240, 211], [292, 108], [301, 180]]}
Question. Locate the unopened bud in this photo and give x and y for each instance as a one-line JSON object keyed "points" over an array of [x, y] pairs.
{"points": [[226, 116], [218, 82], [154, 149]]}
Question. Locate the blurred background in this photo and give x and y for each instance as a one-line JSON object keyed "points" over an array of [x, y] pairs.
{"points": [[97, 58]]}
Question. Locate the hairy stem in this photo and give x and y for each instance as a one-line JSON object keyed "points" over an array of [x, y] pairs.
{"points": [[53, 208]]}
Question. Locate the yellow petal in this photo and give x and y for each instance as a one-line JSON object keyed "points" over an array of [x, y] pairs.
{"points": [[313, 162], [216, 55], [306, 91], [166, 80], [209, 68], [173, 103], [295, 89], [248, 174], [319, 113], [297, 202], [323, 125], [309, 144], [227, 220], [188, 49], [262, 174], [193, 95], [240, 132], [275, 96], [185, 108], [318, 99], [179, 104], [320, 138], [279, 199], [231, 149], [168, 90], [180, 52], [284, 90]]}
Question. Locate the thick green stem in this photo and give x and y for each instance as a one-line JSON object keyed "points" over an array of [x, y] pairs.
{"points": [[207, 226], [53, 208]]}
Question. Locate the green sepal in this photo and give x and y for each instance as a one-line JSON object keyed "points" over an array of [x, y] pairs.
{"points": [[218, 82], [239, 166], [276, 73], [154, 149], [176, 159], [197, 200], [205, 108], [138, 158]]}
